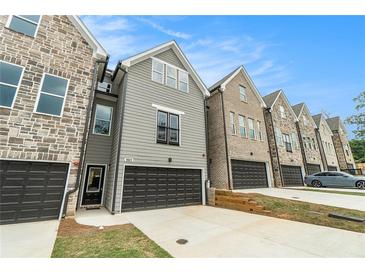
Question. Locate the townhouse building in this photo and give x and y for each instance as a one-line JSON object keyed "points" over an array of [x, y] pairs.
{"points": [[307, 128], [324, 139], [147, 144], [341, 144], [239, 155], [282, 134], [48, 66]]}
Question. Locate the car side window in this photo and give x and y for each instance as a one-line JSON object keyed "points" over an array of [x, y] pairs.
{"points": [[321, 174]]}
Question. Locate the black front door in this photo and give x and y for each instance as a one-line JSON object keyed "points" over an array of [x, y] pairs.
{"points": [[93, 187]]}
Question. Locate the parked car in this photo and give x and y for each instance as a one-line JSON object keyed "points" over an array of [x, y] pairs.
{"points": [[335, 179]]}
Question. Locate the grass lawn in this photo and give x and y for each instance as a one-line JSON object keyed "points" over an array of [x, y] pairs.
{"points": [[359, 193], [308, 212], [121, 241]]}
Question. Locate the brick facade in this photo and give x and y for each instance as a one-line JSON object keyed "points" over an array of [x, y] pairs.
{"points": [[343, 149], [57, 49], [329, 152]]}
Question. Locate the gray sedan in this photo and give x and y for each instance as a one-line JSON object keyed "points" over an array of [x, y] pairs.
{"points": [[335, 179]]}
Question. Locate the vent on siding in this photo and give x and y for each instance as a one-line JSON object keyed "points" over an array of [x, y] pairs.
{"points": [[104, 87]]}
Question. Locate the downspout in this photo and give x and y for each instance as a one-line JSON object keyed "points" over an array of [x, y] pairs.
{"points": [[85, 136], [302, 147], [124, 90], [225, 140], [206, 107]]}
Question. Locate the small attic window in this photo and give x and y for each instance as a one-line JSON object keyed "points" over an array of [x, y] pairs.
{"points": [[282, 112], [305, 121]]}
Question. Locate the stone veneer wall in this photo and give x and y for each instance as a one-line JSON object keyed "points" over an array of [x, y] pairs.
{"points": [[58, 49]]}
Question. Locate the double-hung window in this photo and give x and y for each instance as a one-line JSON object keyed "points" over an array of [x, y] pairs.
{"points": [[52, 94], [183, 81], [305, 121], [259, 130], [168, 128], [242, 125], [314, 144], [10, 78], [287, 143], [278, 136], [102, 120], [251, 129], [157, 71], [26, 24], [232, 124], [171, 76], [282, 112], [243, 95]]}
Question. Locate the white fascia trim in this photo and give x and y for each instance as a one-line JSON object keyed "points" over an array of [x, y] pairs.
{"points": [[161, 48], [287, 102], [167, 109], [251, 83], [98, 49]]}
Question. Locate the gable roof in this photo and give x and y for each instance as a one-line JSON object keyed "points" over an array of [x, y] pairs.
{"points": [[317, 119], [228, 78], [335, 123], [298, 109], [98, 50], [272, 98], [161, 48]]}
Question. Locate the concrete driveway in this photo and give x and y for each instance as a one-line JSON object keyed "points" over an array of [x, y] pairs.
{"points": [[216, 232], [28, 240], [331, 199]]}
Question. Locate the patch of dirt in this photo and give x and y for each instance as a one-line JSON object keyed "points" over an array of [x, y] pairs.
{"points": [[69, 227]]}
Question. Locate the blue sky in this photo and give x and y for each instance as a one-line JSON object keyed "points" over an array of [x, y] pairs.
{"points": [[316, 59]]}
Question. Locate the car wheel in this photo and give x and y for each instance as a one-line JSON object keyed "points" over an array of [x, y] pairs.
{"points": [[360, 184], [316, 183]]}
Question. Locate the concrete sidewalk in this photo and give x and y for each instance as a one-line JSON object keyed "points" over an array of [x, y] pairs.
{"points": [[331, 199], [28, 240], [214, 232]]}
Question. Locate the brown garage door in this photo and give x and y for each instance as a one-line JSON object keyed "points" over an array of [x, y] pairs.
{"points": [[31, 191], [312, 168], [247, 174], [292, 175], [155, 187]]}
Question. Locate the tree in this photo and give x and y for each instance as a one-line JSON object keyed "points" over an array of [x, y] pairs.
{"points": [[358, 119], [358, 150]]}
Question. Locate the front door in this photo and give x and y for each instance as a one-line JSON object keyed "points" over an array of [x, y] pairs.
{"points": [[93, 187]]}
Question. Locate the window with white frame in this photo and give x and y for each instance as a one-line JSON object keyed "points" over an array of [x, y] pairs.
{"points": [[26, 24], [243, 95], [51, 96], [282, 112], [157, 71], [242, 125], [251, 129], [278, 137], [259, 130], [305, 120], [293, 138], [10, 78], [314, 144], [233, 126], [102, 120], [171, 76], [168, 128], [287, 142], [183, 81]]}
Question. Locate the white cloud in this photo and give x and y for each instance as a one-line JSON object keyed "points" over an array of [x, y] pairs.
{"points": [[167, 31], [100, 25]]}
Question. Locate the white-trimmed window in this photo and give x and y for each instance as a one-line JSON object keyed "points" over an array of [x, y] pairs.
{"points": [[26, 24], [51, 95], [314, 144], [305, 120], [278, 136], [232, 124], [157, 71], [10, 78], [242, 125], [251, 129], [259, 130], [171, 76], [243, 95], [293, 138], [287, 142], [103, 120], [183, 81], [282, 112]]}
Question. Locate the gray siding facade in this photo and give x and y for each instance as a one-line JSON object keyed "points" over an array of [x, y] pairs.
{"points": [[138, 145]]}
